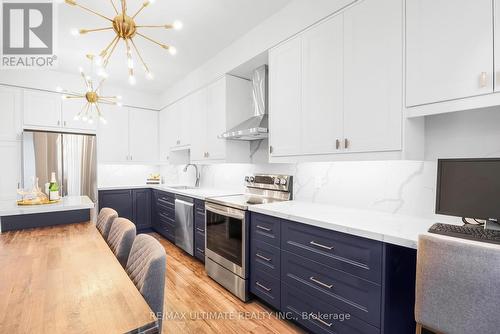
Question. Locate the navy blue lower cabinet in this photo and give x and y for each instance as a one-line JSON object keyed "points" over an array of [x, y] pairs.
{"points": [[119, 200], [199, 230], [320, 317], [142, 208], [163, 216], [332, 282], [357, 296]]}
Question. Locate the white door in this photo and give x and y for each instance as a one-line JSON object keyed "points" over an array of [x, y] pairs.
{"points": [[113, 137], [11, 169], [373, 75], [10, 113], [143, 135], [199, 126], [164, 135], [322, 87], [41, 109], [285, 135], [70, 109], [449, 46], [216, 120]]}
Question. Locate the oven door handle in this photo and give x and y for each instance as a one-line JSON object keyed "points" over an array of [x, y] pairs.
{"points": [[233, 213]]}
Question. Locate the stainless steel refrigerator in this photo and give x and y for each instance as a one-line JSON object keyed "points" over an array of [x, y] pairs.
{"points": [[71, 156]]}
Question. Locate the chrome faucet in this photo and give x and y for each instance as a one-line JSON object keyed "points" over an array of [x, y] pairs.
{"points": [[197, 184]]}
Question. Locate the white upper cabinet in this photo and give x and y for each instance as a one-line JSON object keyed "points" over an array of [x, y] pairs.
{"points": [[10, 114], [71, 108], [285, 97], [165, 135], [373, 71], [10, 151], [113, 137], [143, 135], [322, 87], [449, 50], [42, 109], [337, 88], [220, 106]]}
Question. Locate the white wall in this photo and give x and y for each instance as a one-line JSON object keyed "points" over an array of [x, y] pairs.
{"points": [[293, 18]]}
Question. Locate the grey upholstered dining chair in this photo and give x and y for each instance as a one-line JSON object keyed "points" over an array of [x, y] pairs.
{"points": [[104, 220], [146, 267], [458, 286], [120, 239]]}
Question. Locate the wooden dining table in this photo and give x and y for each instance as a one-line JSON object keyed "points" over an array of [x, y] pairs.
{"points": [[65, 279]]}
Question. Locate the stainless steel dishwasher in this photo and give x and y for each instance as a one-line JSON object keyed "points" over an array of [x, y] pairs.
{"points": [[184, 221]]}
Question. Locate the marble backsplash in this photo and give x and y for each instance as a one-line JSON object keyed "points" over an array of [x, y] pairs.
{"points": [[405, 187]]}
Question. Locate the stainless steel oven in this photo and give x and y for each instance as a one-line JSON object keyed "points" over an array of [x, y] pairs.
{"points": [[225, 252], [227, 229]]}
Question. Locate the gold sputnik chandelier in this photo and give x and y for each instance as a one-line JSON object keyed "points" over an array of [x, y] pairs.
{"points": [[126, 29], [92, 96]]}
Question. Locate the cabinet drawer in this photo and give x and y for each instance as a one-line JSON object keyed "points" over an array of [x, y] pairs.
{"points": [[265, 258], [265, 287], [166, 214], [166, 231], [266, 228], [349, 293], [199, 221], [355, 255], [199, 246], [320, 317]]}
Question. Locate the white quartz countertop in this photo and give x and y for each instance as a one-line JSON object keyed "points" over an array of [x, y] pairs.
{"points": [[198, 193], [68, 203], [395, 229]]}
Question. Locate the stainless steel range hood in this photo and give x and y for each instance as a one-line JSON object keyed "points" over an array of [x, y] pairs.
{"points": [[256, 127]]}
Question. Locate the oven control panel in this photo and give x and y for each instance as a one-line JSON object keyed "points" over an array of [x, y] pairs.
{"points": [[270, 181]]}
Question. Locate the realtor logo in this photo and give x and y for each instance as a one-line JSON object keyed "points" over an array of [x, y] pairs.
{"points": [[28, 34]]}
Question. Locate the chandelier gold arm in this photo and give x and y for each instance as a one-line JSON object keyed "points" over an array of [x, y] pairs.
{"points": [[139, 55], [84, 31], [105, 50], [166, 47], [165, 26], [129, 56], [124, 7], [85, 80], [111, 52], [74, 97], [114, 6], [98, 110], [144, 5], [74, 3]]}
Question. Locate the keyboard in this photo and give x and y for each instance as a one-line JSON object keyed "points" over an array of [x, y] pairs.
{"points": [[476, 233]]}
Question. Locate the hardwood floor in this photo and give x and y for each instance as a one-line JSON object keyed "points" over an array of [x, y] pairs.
{"points": [[194, 303]]}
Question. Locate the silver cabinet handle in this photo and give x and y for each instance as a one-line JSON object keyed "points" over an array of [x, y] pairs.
{"points": [[315, 317], [262, 286], [264, 228], [200, 250], [315, 280], [271, 149], [314, 243], [200, 230], [208, 154], [346, 143], [337, 144], [58, 123], [263, 257], [178, 142], [483, 79], [131, 157], [64, 123]]}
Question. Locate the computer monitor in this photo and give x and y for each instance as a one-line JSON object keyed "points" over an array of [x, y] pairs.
{"points": [[469, 188]]}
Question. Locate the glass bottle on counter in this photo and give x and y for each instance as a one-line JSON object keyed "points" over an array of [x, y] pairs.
{"points": [[53, 188]]}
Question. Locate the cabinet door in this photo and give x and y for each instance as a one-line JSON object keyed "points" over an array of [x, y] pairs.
{"points": [[113, 137], [449, 50], [142, 208], [164, 135], [372, 76], [10, 114], [285, 135], [216, 120], [143, 135], [71, 108], [199, 126], [175, 120], [322, 87], [41, 108], [11, 169], [119, 200], [185, 123]]}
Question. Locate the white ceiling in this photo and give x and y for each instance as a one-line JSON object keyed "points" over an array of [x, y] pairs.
{"points": [[209, 27]]}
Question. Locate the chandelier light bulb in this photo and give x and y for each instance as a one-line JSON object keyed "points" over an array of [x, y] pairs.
{"points": [[149, 75], [80, 69], [130, 63], [177, 25], [74, 32], [131, 80], [103, 120], [119, 97], [91, 121], [64, 97], [84, 118], [119, 104], [172, 50]]}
